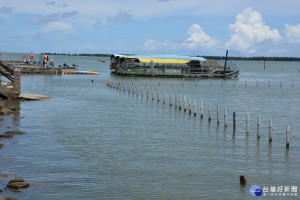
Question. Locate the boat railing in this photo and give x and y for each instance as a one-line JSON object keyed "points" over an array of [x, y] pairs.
{"points": [[156, 65]]}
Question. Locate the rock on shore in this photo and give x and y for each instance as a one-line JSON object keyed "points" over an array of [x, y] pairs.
{"points": [[17, 183], [7, 198], [4, 110], [9, 134]]}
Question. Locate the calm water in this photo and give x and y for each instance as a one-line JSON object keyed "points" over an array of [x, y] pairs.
{"points": [[94, 142]]}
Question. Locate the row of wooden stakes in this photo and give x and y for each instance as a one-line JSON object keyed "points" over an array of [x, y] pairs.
{"points": [[178, 104]]}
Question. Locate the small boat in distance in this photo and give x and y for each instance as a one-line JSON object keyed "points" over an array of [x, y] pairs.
{"points": [[170, 66], [81, 72], [103, 61]]}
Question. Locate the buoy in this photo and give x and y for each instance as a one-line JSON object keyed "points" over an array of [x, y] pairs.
{"points": [[242, 180]]}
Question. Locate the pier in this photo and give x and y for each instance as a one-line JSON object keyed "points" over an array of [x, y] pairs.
{"points": [[11, 89], [31, 68]]}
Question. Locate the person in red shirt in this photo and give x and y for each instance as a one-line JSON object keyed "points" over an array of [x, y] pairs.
{"points": [[45, 59], [31, 57]]}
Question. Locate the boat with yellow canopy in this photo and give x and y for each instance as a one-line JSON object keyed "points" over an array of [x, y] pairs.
{"points": [[169, 66]]}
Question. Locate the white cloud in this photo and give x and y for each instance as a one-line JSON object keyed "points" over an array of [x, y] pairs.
{"points": [[249, 30], [292, 33], [58, 27], [197, 39], [122, 17]]}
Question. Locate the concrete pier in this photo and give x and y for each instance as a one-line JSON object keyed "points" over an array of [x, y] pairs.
{"points": [[32, 68]]}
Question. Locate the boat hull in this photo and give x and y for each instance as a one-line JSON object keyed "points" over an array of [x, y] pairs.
{"points": [[231, 74], [81, 72]]}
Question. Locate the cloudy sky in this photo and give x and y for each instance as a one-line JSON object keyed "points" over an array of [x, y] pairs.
{"points": [[183, 27]]}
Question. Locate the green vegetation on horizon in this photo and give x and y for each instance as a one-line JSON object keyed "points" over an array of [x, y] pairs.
{"points": [[258, 58]]}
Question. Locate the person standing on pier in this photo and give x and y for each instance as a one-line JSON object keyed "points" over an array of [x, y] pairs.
{"points": [[31, 57], [45, 59]]}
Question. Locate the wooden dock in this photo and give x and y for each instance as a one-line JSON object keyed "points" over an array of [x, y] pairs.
{"points": [[32, 68]]}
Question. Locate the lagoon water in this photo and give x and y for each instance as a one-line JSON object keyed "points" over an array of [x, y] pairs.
{"points": [[91, 141]]}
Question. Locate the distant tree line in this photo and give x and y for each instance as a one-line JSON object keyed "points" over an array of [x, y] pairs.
{"points": [[260, 58], [79, 54]]}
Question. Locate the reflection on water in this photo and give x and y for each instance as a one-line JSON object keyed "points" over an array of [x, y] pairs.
{"points": [[91, 141]]}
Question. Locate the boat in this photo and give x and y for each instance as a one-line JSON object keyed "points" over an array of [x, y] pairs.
{"points": [[170, 66], [103, 61], [81, 72], [65, 66]]}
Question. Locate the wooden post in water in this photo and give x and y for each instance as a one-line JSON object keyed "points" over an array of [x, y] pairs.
{"points": [[137, 90], [152, 94], [179, 102], [147, 92], [142, 92], [218, 114], [201, 108], [157, 94], [280, 83], [269, 84], [128, 89], [247, 123], [124, 86], [209, 112], [170, 98], [258, 127], [132, 89], [234, 121], [195, 109], [184, 104], [246, 83], [287, 136], [270, 131], [225, 117], [164, 99], [190, 107], [175, 101]]}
